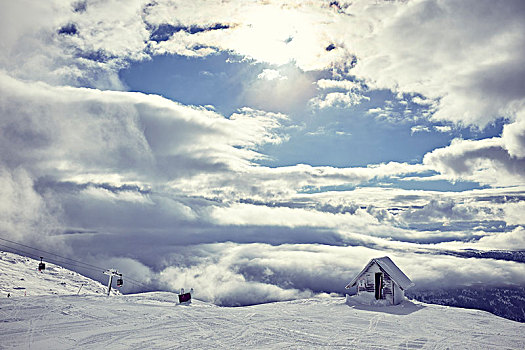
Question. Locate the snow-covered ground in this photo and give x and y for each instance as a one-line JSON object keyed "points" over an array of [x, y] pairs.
{"points": [[19, 276], [157, 321]]}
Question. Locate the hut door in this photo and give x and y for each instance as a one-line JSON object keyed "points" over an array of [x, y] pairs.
{"points": [[379, 285]]}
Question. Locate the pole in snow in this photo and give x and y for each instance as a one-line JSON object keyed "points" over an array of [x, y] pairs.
{"points": [[111, 273], [109, 283]]}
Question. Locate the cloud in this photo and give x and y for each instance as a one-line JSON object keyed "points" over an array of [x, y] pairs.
{"points": [[485, 161], [230, 274], [419, 128], [444, 128], [35, 47], [513, 214], [221, 284], [388, 47], [120, 210], [394, 45], [289, 36], [339, 84], [152, 146], [404, 47], [245, 214], [282, 90], [430, 272], [103, 174], [233, 274], [338, 99], [24, 213], [422, 102], [353, 94], [514, 240], [440, 210], [514, 136], [140, 134], [271, 74], [495, 161]]}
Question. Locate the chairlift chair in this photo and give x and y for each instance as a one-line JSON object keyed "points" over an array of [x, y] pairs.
{"points": [[41, 265], [120, 282]]}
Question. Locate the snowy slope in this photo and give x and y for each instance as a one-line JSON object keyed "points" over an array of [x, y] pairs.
{"points": [[19, 276], [60, 319], [157, 321]]}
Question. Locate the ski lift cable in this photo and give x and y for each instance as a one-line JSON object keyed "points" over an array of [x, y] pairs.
{"points": [[51, 260], [31, 255], [68, 264], [91, 267], [63, 257], [60, 263], [43, 251]]}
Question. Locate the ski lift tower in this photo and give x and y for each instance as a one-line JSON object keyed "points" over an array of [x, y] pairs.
{"points": [[112, 273]]}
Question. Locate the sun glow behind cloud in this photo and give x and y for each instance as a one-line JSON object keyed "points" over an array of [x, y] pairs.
{"points": [[276, 34]]}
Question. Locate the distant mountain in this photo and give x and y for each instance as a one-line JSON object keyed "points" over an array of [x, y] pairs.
{"points": [[501, 301], [508, 255], [19, 276]]}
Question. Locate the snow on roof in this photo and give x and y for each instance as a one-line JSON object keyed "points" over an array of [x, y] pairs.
{"points": [[388, 266]]}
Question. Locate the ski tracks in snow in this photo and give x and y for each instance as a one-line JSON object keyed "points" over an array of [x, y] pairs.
{"points": [[155, 320]]}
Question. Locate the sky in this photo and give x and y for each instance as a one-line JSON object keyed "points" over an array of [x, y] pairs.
{"points": [[266, 150]]}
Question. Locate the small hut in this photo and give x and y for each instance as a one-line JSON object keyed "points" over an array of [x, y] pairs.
{"points": [[381, 280]]}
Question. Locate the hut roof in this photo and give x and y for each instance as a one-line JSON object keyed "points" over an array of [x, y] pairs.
{"points": [[388, 266]]}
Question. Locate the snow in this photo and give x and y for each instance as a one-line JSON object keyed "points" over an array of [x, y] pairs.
{"points": [[19, 276], [394, 272], [390, 268], [157, 320], [365, 298]]}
